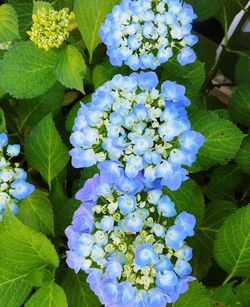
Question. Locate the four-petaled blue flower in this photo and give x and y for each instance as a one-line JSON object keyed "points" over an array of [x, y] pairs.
{"points": [[145, 254]]}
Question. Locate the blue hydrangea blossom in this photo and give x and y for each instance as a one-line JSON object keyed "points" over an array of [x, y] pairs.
{"points": [[13, 184], [139, 124], [143, 34], [132, 254]]}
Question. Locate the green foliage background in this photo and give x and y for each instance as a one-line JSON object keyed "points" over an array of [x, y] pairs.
{"points": [[39, 97]]}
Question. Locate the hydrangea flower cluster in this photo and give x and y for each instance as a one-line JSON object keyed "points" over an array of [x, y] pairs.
{"points": [[142, 126], [50, 28], [135, 254], [13, 185], [126, 235], [146, 33]]}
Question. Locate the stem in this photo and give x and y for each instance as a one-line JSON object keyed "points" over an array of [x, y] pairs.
{"points": [[159, 219], [49, 183], [227, 279], [241, 6], [237, 52], [245, 193], [244, 281]]}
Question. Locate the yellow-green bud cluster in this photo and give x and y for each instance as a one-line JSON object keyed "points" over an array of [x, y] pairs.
{"points": [[50, 28]]}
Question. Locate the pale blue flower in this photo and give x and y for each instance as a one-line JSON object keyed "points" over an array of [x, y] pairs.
{"points": [[166, 280], [13, 150], [166, 207], [175, 237], [126, 203], [145, 254], [187, 222], [3, 140], [182, 268], [21, 189], [134, 222]]}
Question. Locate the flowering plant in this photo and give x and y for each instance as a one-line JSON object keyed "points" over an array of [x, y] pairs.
{"points": [[128, 181], [128, 246], [144, 34], [13, 184], [144, 128]]}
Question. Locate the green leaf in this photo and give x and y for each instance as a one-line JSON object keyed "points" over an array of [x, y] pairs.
{"points": [[215, 214], [243, 156], [2, 121], [232, 245], [8, 23], [196, 296], [63, 207], [239, 106], [60, 4], [27, 71], [201, 261], [202, 242], [30, 112], [223, 179], [70, 68], [224, 295], [38, 278], [89, 16], [36, 212], [24, 12], [206, 51], [243, 297], [24, 248], [104, 71], [50, 295], [77, 290], [222, 113], [11, 282], [188, 198], [45, 150], [2, 93], [22, 252], [205, 10], [222, 140], [242, 68]]}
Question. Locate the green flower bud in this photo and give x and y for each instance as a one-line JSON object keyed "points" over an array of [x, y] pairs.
{"points": [[150, 238], [143, 234], [117, 217], [122, 247], [149, 221], [109, 248], [50, 28]]}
